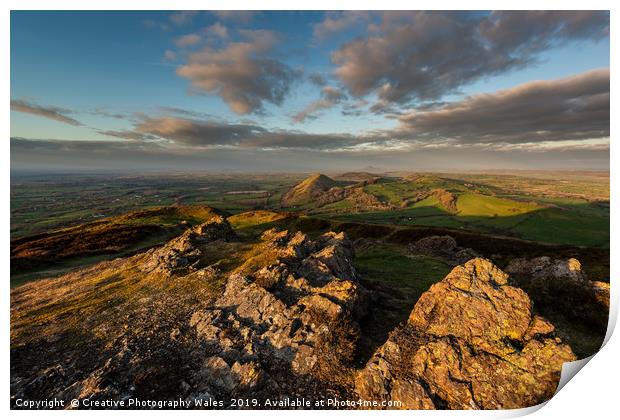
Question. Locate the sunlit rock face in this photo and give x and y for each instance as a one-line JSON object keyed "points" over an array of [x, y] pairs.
{"points": [[471, 342]]}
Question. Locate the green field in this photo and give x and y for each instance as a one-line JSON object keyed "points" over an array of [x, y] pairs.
{"points": [[558, 208]]}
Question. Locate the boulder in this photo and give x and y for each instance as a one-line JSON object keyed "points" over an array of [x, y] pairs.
{"points": [[561, 288], [471, 342], [182, 254], [545, 268], [293, 319], [444, 247]]}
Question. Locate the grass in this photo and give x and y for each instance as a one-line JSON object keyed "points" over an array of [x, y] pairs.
{"points": [[471, 204], [61, 250], [398, 279], [410, 275], [576, 223]]}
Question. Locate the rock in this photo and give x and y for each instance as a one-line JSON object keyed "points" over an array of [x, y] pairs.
{"points": [[465, 254], [250, 375], [546, 268], [601, 293], [471, 342], [217, 228], [182, 254], [561, 287], [444, 247], [216, 372], [294, 317]]}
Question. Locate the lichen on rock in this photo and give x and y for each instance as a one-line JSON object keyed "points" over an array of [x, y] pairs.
{"points": [[471, 342]]}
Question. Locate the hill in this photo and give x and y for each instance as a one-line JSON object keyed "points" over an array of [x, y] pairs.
{"points": [[90, 242], [307, 190]]}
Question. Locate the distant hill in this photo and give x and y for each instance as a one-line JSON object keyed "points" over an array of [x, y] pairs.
{"points": [[308, 190], [358, 176]]}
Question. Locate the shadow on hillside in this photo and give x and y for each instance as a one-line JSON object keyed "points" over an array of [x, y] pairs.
{"points": [[584, 224]]}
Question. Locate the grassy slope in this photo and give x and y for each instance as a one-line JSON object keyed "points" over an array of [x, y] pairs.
{"points": [[568, 221], [397, 279], [61, 250]]}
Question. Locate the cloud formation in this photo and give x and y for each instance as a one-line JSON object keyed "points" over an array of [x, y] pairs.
{"points": [[330, 96], [187, 40], [573, 108], [419, 56], [200, 133], [335, 22], [217, 29], [241, 73], [118, 156], [51, 112], [127, 135], [183, 17], [317, 79]]}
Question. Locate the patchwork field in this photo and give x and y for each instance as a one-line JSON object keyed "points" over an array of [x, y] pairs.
{"points": [[60, 222]]}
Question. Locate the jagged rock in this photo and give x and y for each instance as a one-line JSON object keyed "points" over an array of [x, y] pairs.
{"points": [[546, 268], [444, 247], [277, 318], [562, 287], [217, 228], [471, 342], [465, 254], [183, 253], [601, 293], [217, 372]]}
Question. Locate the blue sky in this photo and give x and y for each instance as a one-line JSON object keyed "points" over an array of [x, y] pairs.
{"points": [[126, 77]]}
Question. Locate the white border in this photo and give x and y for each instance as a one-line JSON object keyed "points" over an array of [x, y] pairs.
{"points": [[591, 395]]}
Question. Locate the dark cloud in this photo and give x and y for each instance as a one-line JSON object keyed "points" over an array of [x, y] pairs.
{"points": [[51, 112], [101, 111], [127, 134], [183, 112], [317, 79], [193, 132], [198, 133], [117, 156], [330, 96], [574, 108], [420, 56], [241, 73]]}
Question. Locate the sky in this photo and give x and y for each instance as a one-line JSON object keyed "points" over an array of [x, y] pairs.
{"points": [[304, 91]]}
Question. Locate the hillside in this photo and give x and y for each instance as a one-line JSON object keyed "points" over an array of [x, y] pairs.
{"points": [[269, 308], [105, 238], [307, 190]]}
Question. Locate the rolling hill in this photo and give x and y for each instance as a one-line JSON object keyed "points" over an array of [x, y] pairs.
{"points": [[307, 190]]}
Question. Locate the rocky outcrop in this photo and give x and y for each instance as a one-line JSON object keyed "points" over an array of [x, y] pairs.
{"points": [[471, 342], [183, 253], [561, 286], [444, 247], [544, 268], [446, 199], [280, 318], [287, 325]]}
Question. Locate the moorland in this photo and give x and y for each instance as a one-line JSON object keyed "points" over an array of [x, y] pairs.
{"points": [[137, 270]]}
